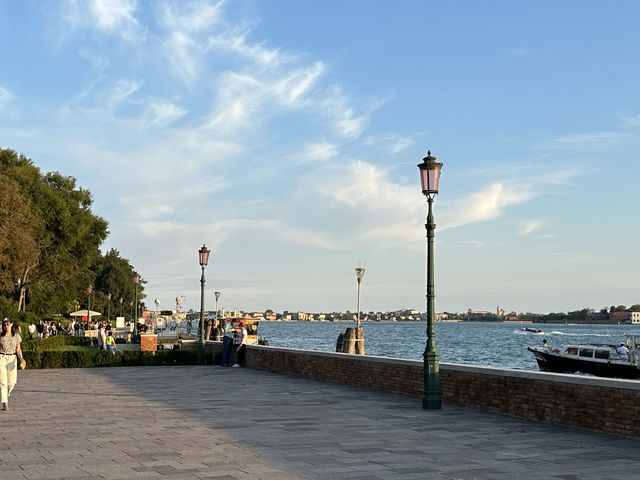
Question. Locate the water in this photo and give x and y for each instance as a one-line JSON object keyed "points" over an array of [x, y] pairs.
{"points": [[486, 344]]}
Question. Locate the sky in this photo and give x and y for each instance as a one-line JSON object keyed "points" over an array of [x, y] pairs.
{"points": [[285, 135]]}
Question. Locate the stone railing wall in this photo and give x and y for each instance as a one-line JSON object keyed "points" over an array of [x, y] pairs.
{"points": [[605, 405]]}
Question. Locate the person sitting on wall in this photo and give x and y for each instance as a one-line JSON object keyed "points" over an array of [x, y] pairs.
{"points": [[544, 344], [623, 352]]}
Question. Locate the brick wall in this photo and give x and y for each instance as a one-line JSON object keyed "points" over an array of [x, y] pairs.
{"points": [[594, 403]]}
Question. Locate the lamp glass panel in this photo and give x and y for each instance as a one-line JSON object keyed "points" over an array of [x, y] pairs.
{"points": [[429, 177], [204, 255]]}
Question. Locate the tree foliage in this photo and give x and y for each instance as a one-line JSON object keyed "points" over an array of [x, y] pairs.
{"points": [[50, 241]]}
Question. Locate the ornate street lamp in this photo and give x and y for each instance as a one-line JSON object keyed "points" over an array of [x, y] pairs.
{"points": [[359, 275], [157, 302], [109, 308], [217, 295], [121, 300], [429, 178], [178, 307], [134, 335], [89, 290], [203, 257]]}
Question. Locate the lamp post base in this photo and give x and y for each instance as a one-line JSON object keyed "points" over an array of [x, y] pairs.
{"points": [[202, 353], [431, 402]]}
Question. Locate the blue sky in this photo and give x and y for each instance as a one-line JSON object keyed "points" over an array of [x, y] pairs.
{"points": [[285, 135]]}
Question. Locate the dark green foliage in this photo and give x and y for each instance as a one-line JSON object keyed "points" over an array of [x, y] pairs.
{"points": [[51, 343], [50, 245], [37, 358]]}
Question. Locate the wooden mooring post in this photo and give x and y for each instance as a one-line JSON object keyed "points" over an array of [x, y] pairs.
{"points": [[351, 341]]}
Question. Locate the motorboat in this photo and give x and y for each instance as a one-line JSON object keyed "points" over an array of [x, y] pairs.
{"points": [[532, 330], [603, 360]]}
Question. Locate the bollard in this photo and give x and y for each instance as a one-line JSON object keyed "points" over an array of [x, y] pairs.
{"points": [[217, 334], [350, 340], [359, 341]]}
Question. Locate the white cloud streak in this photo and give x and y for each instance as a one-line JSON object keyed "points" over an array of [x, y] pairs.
{"points": [[586, 140], [106, 16], [317, 151], [485, 204], [5, 96], [530, 226]]}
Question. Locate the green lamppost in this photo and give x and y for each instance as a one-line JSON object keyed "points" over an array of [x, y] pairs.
{"points": [[89, 290], [109, 309], [203, 257], [217, 295], [359, 275], [429, 178], [134, 335]]}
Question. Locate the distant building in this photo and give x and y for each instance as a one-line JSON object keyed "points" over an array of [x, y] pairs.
{"points": [[620, 317], [635, 318]]}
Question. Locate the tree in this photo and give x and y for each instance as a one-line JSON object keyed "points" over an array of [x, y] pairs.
{"points": [[635, 308], [114, 275], [64, 237], [19, 250]]}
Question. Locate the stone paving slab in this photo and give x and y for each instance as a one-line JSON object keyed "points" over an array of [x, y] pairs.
{"points": [[203, 422]]}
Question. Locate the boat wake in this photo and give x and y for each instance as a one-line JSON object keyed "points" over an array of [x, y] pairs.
{"points": [[571, 334]]}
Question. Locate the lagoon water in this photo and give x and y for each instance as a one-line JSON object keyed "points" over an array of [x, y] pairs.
{"points": [[486, 344]]}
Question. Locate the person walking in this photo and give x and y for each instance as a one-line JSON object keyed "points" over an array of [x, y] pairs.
{"points": [[227, 342], [10, 341]]}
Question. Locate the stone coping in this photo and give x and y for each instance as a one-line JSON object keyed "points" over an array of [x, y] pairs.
{"points": [[498, 371]]}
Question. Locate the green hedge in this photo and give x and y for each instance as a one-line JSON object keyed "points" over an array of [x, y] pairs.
{"points": [[50, 343], [81, 359]]}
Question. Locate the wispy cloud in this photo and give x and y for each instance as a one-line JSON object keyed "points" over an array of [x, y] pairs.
{"points": [[361, 184], [530, 226], [317, 151], [391, 143], [474, 243], [106, 16], [161, 113], [586, 140], [632, 121], [5, 96], [122, 90], [485, 204], [346, 122]]}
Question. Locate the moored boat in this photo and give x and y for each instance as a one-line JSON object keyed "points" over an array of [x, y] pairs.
{"points": [[603, 360]]}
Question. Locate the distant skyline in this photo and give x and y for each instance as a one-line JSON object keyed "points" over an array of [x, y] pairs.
{"points": [[285, 135]]}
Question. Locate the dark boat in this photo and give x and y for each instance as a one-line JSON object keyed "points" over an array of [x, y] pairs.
{"points": [[532, 330], [603, 360]]}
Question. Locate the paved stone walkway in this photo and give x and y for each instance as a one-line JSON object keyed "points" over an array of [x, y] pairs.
{"points": [[208, 422]]}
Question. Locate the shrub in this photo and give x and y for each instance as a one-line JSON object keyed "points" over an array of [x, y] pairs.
{"points": [[51, 343], [40, 358]]}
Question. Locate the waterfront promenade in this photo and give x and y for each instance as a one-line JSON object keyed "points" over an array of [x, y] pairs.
{"points": [[193, 422]]}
